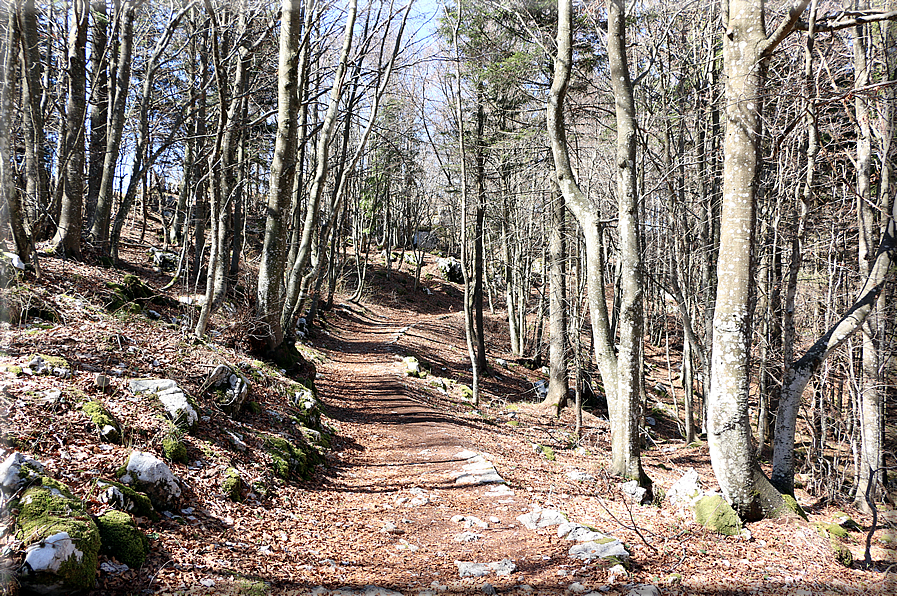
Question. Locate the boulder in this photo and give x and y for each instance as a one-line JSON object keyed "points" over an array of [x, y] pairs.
{"points": [[450, 268], [288, 459], [121, 538], [124, 498], [687, 490], [634, 492], [412, 367], [19, 470], [606, 548], [106, 424], [41, 364], [233, 486], [147, 473], [542, 518], [715, 513], [578, 532], [62, 542]]}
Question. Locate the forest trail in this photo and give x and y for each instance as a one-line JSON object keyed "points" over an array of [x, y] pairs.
{"points": [[397, 473]]}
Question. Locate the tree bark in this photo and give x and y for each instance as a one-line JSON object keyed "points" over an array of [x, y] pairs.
{"points": [[556, 399], [619, 367]]}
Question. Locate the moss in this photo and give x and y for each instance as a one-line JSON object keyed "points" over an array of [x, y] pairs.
{"points": [[140, 504], [232, 486], [827, 530], [48, 509], [547, 452], [794, 506], [842, 553], [247, 587], [287, 460], [122, 539], [715, 513], [105, 422], [513, 423], [254, 407], [173, 448], [14, 369], [466, 392], [53, 361]]}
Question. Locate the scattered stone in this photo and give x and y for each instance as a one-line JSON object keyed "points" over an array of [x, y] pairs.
{"points": [[124, 498], [412, 367], [478, 470], [578, 532], [542, 518], [501, 362], [634, 492], [501, 568], [541, 389], [580, 476], [62, 541], [230, 388], [450, 268], [173, 447], [41, 364], [147, 473], [106, 424], [687, 490], [599, 549], [17, 470], [643, 590], [178, 407], [391, 528], [163, 259], [499, 490], [576, 588], [101, 381], [467, 537], [488, 588], [469, 521], [113, 568]]}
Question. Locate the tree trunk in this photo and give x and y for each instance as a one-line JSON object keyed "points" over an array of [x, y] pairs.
{"points": [[67, 240], [99, 103], [619, 368], [556, 399], [113, 136], [269, 296]]}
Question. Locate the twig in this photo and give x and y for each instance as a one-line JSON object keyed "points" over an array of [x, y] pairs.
{"points": [[634, 527], [871, 503]]}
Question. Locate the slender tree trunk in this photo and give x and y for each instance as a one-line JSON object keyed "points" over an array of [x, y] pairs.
{"points": [[556, 399], [113, 135], [619, 366], [99, 103], [269, 303], [67, 240]]}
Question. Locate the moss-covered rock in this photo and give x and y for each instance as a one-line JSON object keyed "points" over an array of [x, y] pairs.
{"points": [[133, 291], [794, 506], [124, 498], [106, 424], [121, 538], [173, 447], [232, 485], [715, 513], [466, 392], [831, 530], [62, 541], [834, 534], [288, 459]]}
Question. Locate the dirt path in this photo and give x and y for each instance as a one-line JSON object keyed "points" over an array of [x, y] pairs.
{"points": [[398, 472]]}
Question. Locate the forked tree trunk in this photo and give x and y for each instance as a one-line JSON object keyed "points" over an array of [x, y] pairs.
{"points": [[619, 366]]}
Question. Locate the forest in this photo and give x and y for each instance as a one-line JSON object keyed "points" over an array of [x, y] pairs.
{"points": [[715, 182]]}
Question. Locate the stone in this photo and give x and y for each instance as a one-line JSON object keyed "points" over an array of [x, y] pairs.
{"points": [[469, 521], [578, 532], [715, 513], [468, 569], [147, 473], [106, 424], [378, 591], [687, 490], [412, 366], [542, 518], [124, 498], [466, 537], [101, 381], [488, 588], [178, 408], [230, 388], [541, 389], [137, 386], [503, 568], [579, 476], [643, 590], [17, 470], [606, 549], [450, 268], [634, 492], [122, 539]]}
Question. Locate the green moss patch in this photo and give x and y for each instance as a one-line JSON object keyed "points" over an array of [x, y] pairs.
{"points": [[125, 498], [173, 447], [122, 539], [106, 424], [287, 459], [131, 293], [232, 486], [715, 513], [49, 509], [794, 506]]}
